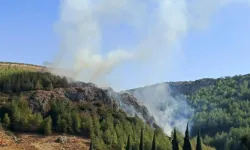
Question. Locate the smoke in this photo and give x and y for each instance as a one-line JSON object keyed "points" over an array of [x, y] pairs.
{"points": [[124, 43], [155, 30], [169, 111]]}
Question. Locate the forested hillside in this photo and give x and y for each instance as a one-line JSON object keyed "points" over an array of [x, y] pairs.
{"points": [[222, 111], [39, 102], [221, 108]]}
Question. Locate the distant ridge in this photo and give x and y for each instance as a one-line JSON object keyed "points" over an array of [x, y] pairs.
{"points": [[30, 67], [37, 68]]}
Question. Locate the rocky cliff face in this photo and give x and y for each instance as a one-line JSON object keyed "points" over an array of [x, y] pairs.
{"points": [[87, 92]]}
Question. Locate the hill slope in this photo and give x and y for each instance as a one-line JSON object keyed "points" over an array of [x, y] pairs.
{"points": [[220, 107], [37, 101]]}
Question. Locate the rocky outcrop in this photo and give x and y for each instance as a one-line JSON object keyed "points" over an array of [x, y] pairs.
{"points": [[86, 92]]}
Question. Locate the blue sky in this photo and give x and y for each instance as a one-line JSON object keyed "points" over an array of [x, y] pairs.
{"points": [[27, 35]]}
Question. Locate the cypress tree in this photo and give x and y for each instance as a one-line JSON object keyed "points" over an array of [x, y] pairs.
{"points": [[128, 143], [91, 145], [153, 143], [175, 145], [6, 120], [141, 140], [187, 145], [198, 141]]}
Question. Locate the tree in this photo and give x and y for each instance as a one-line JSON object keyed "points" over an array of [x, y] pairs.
{"points": [[6, 120], [175, 145], [91, 145], [76, 121], [141, 141], [187, 145], [245, 141], [153, 143], [47, 126], [106, 137], [38, 85], [198, 141], [25, 123], [128, 147], [50, 87]]}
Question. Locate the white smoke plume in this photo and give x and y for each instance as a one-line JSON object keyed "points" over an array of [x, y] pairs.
{"points": [[168, 111], [157, 28]]}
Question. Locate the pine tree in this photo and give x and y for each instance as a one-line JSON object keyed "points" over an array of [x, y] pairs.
{"points": [[198, 142], [187, 145], [59, 123], [76, 122], [141, 141], [49, 87], [175, 145], [6, 120], [91, 145], [64, 125], [25, 123], [128, 147], [154, 143], [38, 85], [47, 125]]}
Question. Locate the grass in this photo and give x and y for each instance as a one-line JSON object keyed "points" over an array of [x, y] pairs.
{"points": [[10, 68]]}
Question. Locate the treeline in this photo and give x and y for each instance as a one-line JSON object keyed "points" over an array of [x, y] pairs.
{"points": [[17, 63], [223, 112], [26, 81], [175, 142]]}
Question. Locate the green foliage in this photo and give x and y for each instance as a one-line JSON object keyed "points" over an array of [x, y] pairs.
{"points": [[222, 111], [6, 120], [154, 143], [91, 147], [141, 141], [128, 146], [187, 144], [175, 145], [47, 126], [22, 117], [26, 81], [38, 85], [198, 141], [245, 142], [4, 71]]}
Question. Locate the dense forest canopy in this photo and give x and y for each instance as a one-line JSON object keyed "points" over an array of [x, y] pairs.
{"points": [[222, 111]]}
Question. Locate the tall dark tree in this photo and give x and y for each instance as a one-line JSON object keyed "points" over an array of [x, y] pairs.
{"points": [[141, 141], [175, 145], [187, 144], [245, 141], [198, 141], [91, 145], [128, 147], [154, 143]]}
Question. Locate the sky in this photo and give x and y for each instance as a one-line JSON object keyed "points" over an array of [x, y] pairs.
{"points": [[27, 35]]}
